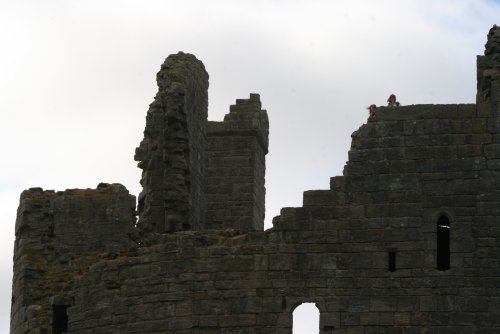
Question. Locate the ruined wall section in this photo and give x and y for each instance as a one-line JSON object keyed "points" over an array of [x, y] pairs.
{"points": [[407, 169], [486, 231], [172, 154], [236, 167], [488, 75], [58, 236], [415, 164], [210, 282], [193, 282]]}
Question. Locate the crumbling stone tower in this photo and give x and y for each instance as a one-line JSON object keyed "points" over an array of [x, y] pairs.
{"points": [[199, 174], [406, 241]]}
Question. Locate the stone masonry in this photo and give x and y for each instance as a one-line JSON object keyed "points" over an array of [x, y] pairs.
{"points": [[406, 241], [172, 154]]}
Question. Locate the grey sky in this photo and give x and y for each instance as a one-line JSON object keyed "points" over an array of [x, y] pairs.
{"points": [[77, 78]]}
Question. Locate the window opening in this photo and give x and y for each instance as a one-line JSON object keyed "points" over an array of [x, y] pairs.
{"points": [[392, 260], [59, 319], [306, 319], [443, 243]]}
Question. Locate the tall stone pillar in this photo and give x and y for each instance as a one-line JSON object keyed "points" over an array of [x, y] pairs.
{"points": [[237, 148], [172, 154]]}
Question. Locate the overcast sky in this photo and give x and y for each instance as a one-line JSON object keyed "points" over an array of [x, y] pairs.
{"points": [[76, 79]]}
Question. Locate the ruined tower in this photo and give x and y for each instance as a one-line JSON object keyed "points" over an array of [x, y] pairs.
{"points": [[191, 166], [407, 240], [172, 154]]}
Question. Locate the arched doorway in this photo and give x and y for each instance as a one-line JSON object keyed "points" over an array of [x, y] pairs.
{"points": [[306, 319]]}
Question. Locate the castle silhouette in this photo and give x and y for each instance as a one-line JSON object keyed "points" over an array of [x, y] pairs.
{"points": [[406, 241]]}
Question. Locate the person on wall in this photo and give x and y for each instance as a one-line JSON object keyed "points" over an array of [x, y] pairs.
{"points": [[372, 112], [391, 101]]}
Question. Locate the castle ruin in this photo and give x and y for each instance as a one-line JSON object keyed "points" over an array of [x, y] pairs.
{"points": [[406, 241]]}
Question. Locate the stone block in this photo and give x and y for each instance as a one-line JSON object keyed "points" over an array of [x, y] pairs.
{"points": [[428, 304], [360, 304]]}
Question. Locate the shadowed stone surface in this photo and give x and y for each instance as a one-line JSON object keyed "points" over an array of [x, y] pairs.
{"points": [[200, 262], [172, 154]]}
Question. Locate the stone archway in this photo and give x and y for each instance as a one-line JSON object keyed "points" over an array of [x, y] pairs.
{"points": [[306, 319]]}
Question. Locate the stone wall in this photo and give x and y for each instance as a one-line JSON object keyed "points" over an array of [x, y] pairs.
{"points": [[412, 166], [178, 175], [405, 241], [488, 74], [172, 154], [58, 236], [62, 235], [236, 167]]}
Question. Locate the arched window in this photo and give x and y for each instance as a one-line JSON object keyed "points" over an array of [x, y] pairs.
{"points": [[306, 319], [443, 243]]}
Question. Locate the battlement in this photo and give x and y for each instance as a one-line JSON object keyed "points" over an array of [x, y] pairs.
{"points": [[405, 241]]}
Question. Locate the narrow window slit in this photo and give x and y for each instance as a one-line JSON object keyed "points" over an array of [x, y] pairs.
{"points": [[392, 260], [443, 244]]}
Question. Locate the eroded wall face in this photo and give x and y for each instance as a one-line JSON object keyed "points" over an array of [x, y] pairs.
{"points": [[488, 75], [59, 235], [188, 175], [172, 154], [485, 226]]}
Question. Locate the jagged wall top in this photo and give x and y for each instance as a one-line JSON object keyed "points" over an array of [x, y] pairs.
{"points": [[172, 153], [488, 75], [405, 170], [493, 43], [236, 167], [188, 163]]}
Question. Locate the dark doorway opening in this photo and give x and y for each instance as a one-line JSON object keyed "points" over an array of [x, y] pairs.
{"points": [[59, 319]]}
